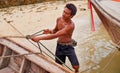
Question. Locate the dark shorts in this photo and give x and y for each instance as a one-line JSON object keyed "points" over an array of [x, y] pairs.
{"points": [[66, 50]]}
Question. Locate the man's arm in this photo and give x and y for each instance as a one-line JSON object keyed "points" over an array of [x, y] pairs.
{"points": [[62, 32]]}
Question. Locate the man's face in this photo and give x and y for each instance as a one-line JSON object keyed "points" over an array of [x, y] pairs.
{"points": [[66, 14]]}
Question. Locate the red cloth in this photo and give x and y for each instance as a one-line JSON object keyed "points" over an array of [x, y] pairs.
{"points": [[91, 14], [117, 0]]}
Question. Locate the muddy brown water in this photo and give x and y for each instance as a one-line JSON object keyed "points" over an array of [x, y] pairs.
{"points": [[95, 51]]}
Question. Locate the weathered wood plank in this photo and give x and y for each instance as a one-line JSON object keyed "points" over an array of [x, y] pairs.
{"points": [[7, 70]]}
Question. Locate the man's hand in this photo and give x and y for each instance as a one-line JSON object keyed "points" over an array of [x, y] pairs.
{"points": [[28, 36], [46, 31], [35, 39]]}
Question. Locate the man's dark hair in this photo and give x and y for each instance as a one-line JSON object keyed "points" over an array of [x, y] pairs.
{"points": [[72, 7]]}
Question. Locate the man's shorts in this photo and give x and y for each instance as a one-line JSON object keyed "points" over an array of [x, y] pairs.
{"points": [[66, 50]]}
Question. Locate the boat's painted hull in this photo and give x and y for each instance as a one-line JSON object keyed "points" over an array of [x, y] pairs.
{"points": [[109, 13]]}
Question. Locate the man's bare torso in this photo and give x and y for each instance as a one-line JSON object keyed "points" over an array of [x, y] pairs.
{"points": [[67, 26]]}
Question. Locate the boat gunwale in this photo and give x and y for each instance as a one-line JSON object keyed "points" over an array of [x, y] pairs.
{"points": [[62, 68]]}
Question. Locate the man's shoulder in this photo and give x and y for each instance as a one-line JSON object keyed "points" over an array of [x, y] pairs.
{"points": [[58, 18], [72, 23]]}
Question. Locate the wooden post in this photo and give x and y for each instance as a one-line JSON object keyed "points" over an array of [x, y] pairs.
{"points": [[1, 49], [91, 16], [5, 61], [25, 66]]}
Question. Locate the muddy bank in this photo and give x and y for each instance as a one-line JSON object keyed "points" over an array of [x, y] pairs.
{"points": [[9, 3]]}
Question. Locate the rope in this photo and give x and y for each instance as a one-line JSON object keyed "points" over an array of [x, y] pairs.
{"points": [[12, 37], [14, 28], [55, 56], [37, 33], [42, 50], [39, 47]]}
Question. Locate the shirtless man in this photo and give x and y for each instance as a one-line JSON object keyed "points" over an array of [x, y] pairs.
{"points": [[63, 31]]}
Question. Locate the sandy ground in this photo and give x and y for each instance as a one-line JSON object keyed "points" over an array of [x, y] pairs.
{"points": [[92, 47]]}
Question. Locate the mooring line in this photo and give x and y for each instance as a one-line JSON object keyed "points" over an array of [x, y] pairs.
{"points": [[40, 48], [14, 28], [12, 37], [55, 56]]}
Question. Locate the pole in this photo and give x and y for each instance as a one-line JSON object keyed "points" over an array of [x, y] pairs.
{"points": [[91, 16]]}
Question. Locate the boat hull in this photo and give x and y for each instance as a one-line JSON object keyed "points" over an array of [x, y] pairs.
{"points": [[109, 18], [20, 60]]}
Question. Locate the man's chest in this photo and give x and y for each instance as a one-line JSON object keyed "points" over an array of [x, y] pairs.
{"points": [[61, 25]]}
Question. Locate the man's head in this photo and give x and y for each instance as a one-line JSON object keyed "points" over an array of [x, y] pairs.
{"points": [[69, 11], [71, 7]]}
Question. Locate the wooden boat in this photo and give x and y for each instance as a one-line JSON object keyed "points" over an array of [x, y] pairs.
{"points": [[109, 13], [15, 58]]}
